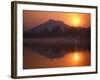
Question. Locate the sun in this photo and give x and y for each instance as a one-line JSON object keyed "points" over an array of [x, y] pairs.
{"points": [[76, 21]]}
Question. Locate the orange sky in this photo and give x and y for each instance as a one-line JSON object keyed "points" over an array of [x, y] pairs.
{"points": [[34, 18]]}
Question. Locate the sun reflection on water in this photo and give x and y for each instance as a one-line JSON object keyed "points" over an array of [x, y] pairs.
{"points": [[76, 56]]}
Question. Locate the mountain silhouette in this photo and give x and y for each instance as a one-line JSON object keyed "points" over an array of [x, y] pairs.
{"points": [[54, 28], [50, 26]]}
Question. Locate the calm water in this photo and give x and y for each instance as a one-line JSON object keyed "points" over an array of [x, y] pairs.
{"points": [[50, 55]]}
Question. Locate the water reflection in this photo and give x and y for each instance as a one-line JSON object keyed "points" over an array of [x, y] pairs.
{"points": [[41, 56], [76, 56]]}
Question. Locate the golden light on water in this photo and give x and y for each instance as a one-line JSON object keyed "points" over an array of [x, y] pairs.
{"points": [[71, 59], [76, 56]]}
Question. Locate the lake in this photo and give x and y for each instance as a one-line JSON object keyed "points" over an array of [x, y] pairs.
{"points": [[52, 53]]}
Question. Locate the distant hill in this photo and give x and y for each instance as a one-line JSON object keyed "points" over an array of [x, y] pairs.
{"points": [[54, 28]]}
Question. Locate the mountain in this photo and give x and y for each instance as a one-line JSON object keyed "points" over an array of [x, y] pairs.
{"points": [[54, 28], [50, 26]]}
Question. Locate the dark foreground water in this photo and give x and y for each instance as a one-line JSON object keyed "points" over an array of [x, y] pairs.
{"points": [[51, 53]]}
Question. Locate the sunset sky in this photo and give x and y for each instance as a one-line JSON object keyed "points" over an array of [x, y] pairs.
{"points": [[34, 18]]}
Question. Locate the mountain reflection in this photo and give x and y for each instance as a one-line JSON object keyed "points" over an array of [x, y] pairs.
{"points": [[56, 49], [57, 55]]}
